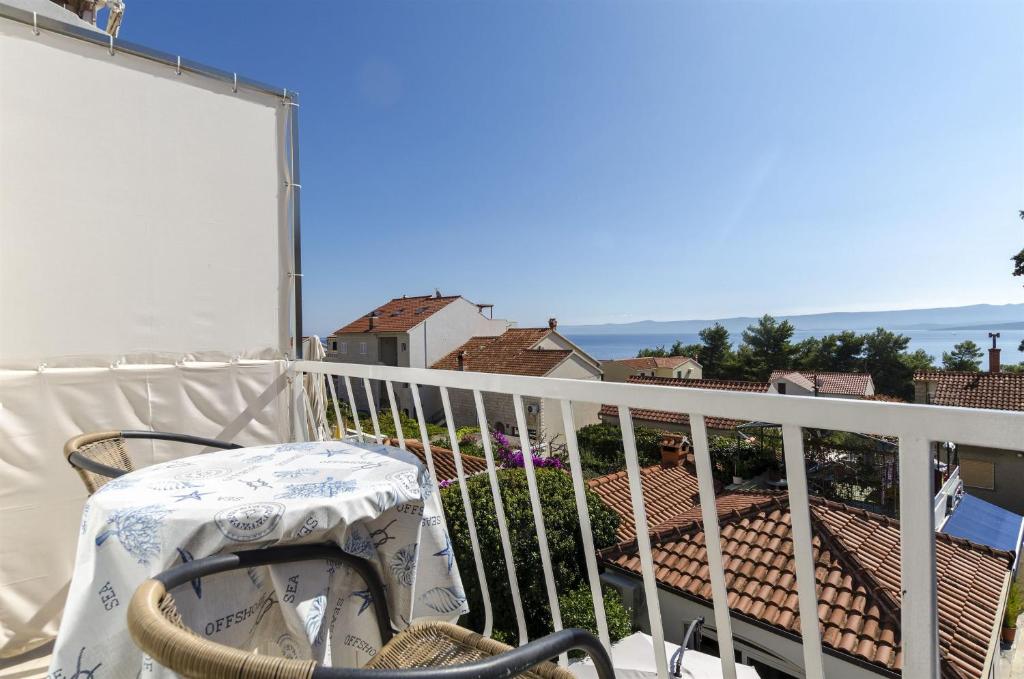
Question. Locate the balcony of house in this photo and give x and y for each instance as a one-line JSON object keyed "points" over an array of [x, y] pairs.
{"points": [[882, 589]]}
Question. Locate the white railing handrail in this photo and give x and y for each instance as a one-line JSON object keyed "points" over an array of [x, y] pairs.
{"points": [[916, 426], [971, 426]]}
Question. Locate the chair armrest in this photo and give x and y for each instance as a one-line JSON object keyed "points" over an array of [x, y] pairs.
{"points": [[180, 438]]}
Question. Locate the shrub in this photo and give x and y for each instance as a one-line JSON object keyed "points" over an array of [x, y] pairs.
{"points": [[565, 545], [1013, 606], [410, 426], [578, 611], [601, 449]]}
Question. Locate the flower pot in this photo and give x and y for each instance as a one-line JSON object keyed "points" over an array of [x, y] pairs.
{"points": [[1009, 634]]}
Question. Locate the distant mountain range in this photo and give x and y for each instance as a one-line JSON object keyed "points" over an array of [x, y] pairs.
{"points": [[973, 317]]}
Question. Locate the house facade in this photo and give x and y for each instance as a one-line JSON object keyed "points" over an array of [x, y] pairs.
{"points": [[535, 352], [829, 384], [992, 474], [663, 420], [680, 367], [857, 562], [410, 332]]}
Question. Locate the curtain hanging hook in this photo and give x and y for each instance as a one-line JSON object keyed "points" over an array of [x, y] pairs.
{"points": [[35, 23], [177, 69], [234, 87], [111, 45]]}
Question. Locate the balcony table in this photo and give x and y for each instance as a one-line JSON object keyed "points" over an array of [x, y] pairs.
{"points": [[376, 502]]}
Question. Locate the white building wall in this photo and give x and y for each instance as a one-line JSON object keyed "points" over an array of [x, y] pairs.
{"points": [[575, 368]]}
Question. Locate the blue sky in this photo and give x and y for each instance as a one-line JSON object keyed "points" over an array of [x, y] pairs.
{"points": [[606, 162]]}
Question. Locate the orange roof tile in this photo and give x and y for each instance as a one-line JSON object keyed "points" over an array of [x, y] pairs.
{"points": [[653, 362], [510, 353], [444, 459], [667, 417], [997, 391], [667, 491], [857, 560], [398, 315], [847, 384]]}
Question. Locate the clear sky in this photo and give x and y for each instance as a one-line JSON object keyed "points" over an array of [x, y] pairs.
{"points": [[605, 162]]}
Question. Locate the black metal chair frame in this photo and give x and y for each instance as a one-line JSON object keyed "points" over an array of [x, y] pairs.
{"points": [[80, 461], [505, 665]]}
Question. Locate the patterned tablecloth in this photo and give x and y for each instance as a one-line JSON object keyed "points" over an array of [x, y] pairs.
{"points": [[376, 502]]}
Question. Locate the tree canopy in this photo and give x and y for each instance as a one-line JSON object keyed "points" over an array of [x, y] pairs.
{"points": [[966, 356]]}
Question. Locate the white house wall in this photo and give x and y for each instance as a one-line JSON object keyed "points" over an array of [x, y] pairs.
{"points": [[574, 368]]}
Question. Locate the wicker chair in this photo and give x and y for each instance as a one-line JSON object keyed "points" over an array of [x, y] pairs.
{"points": [[423, 651], [102, 456]]}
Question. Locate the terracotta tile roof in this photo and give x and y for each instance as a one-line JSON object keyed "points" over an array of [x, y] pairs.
{"points": [[857, 557], [999, 391], [847, 384], [444, 460], [398, 315], [666, 417], [510, 353], [666, 492], [653, 362]]}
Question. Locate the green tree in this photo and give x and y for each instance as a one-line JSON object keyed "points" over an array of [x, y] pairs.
{"points": [[656, 352], [918, 360], [838, 352], [558, 504], [680, 349], [715, 351], [966, 356], [885, 358], [766, 347]]}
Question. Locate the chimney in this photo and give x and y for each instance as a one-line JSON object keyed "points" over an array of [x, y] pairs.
{"points": [[671, 451], [993, 354], [552, 323], [461, 360], [373, 320]]}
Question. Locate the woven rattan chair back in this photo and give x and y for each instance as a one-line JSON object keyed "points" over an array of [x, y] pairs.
{"points": [[106, 448], [432, 650], [441, 644]]}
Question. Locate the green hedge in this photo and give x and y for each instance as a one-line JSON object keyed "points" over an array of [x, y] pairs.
{"points": [[601, 448], [566, 547]]}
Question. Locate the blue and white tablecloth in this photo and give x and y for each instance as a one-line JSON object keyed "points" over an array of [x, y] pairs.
{"points": [[377, 502]]}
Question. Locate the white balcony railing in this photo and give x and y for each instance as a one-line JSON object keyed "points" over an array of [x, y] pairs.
{"points": [[916, 426]]}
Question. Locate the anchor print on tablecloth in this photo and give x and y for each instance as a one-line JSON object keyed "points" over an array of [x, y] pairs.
{"points": [[137, 529], [403, 564], [326, 488], [301, 446], [120, 483]]}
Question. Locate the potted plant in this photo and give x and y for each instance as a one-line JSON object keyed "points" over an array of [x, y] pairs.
{"points": [[1013, 609]]}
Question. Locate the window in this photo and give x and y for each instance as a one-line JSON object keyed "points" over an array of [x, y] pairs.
{"points": [[342, 347], [499, 427], [781, 387], [978, 474], [362, 348], [403, 346], [334, 345], [679, 374]]}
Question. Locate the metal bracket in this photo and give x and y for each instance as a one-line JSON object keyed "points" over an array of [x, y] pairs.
{"points": [[177, 69], [290, 185], [234, 86], [111, 45], [35, 23]]}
